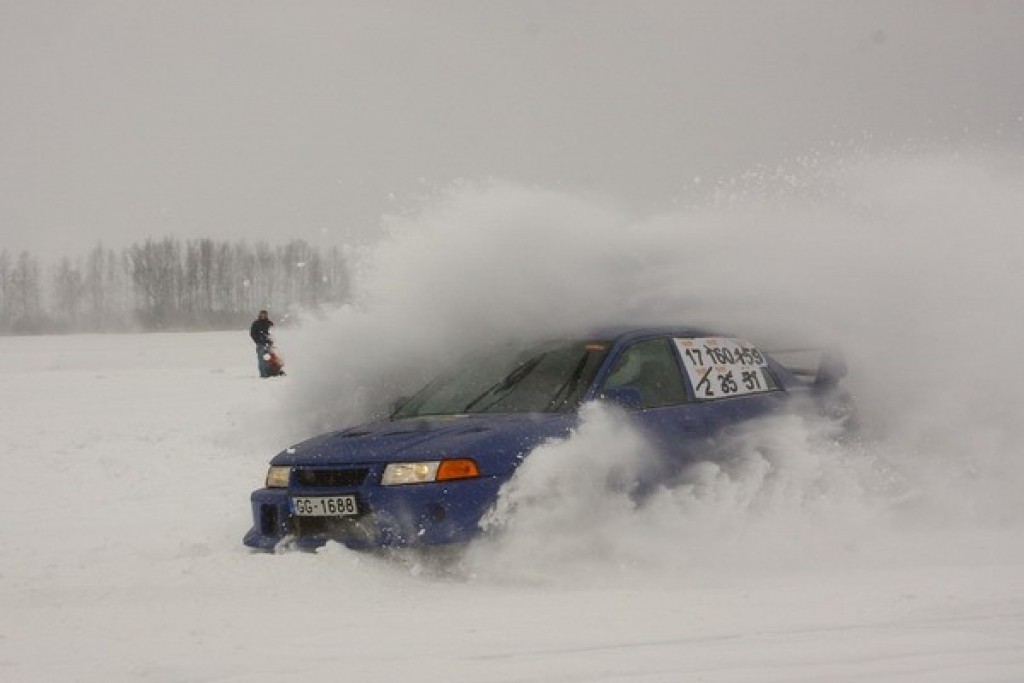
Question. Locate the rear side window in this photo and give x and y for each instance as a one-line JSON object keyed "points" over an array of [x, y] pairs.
{"points": [[651, 368]]}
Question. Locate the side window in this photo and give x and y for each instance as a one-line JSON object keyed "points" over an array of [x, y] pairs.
{"points": [[651, 368]]}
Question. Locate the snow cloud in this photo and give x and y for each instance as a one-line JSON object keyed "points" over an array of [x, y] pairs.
{"points": [[911, 262]]}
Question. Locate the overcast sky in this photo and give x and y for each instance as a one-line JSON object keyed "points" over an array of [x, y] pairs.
{"points": [[122, 120]]}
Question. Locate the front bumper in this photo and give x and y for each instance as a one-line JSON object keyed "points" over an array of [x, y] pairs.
{"points": [[416, 514]]}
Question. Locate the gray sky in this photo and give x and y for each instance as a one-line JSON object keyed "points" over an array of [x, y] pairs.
{"points": [[122, 120]]}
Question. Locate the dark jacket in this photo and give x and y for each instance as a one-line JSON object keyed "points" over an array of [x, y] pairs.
{"points": [[260, 331]]}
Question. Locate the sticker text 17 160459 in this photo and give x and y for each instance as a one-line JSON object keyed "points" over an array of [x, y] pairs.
{"points": [[722, 367]]}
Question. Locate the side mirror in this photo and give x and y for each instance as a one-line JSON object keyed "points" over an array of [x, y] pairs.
{"points": [[625, 396]]}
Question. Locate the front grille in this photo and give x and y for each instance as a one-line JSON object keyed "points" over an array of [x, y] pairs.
{"points": [[330, 478]]}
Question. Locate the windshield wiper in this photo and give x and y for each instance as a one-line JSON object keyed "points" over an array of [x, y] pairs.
{"points": [[569, 384], [513, 378]]}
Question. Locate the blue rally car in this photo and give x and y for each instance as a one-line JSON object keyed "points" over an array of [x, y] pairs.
{"points": [[428, 474]]}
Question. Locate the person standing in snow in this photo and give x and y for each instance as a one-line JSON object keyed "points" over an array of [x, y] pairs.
{"points": [[260, 333]]}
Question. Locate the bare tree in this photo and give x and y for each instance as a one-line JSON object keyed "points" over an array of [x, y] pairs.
{"points": [[156, 270], [26, 312], [68, 294], [159, 284], [6, 276]]}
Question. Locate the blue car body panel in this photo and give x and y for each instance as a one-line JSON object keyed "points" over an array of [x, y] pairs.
{"points": [[351, 462]]}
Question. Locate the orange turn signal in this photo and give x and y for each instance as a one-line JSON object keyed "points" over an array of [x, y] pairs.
{"points": [[457, 469]]}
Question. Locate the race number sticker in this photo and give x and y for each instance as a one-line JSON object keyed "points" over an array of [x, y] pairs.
{"points": [[722, 367]]}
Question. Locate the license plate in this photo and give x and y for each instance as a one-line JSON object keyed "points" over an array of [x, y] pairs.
{"points": [[325, 506]]}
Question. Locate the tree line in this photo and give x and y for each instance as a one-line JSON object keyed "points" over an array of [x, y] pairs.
{"points": [[167, 284]]}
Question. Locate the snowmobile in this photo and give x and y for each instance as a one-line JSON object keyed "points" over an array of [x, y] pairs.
{"points": [[275, 363]]}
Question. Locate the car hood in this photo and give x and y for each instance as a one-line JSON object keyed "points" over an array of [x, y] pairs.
{"points": [[497, 442]]}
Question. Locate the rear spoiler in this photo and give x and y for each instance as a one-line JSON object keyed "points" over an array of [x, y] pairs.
{"points": [[824, 367]]}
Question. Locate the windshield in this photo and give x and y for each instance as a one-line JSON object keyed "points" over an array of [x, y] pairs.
{"points": [[545, 379]]}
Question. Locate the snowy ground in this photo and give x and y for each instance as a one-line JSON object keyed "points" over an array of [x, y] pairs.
{"points": [[129, 460]]}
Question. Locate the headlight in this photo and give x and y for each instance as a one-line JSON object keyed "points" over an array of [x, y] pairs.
{"points": [[409, 473], [277, 477], [399, 473]]}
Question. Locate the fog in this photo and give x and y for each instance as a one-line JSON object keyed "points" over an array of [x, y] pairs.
{"points": [[911, 263], [901, 259], [251, 120]]}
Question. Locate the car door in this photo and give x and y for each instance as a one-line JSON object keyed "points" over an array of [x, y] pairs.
{"points": [[730, 379], [665, 413]]}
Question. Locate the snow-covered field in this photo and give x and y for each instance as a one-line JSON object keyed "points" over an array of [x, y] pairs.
{"points": [[128, 461]]}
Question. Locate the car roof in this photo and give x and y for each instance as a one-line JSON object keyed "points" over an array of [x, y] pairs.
{"points": [[628, 332]]}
